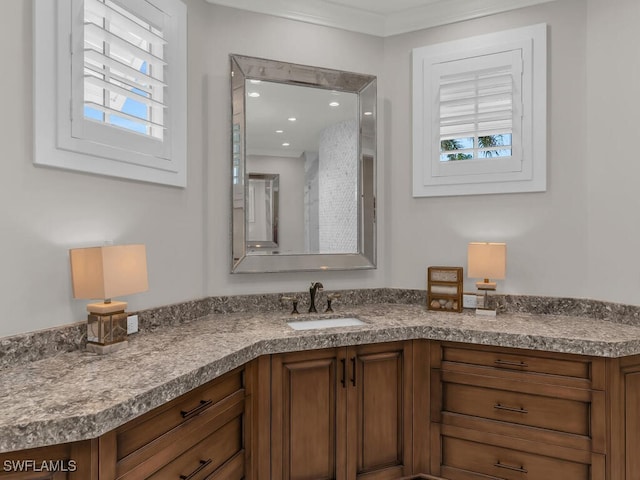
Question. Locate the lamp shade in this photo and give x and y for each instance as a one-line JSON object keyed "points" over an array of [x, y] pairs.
{"points": [[487, 260], [107, 272]]}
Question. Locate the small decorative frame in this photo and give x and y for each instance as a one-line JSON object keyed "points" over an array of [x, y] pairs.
{"points": [[444, 288]]}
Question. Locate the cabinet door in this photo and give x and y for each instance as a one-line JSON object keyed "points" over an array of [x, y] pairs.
{"points": [[624, 377], [379, 410], [308, 429]]}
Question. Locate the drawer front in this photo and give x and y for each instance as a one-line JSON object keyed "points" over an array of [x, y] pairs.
{"points": [[514, 360], [153, 425], [461, 459], [558, 414], [205, 457]]}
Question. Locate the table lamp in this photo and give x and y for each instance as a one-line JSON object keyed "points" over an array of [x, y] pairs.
{"points": [[486, 261], [103, 273]]}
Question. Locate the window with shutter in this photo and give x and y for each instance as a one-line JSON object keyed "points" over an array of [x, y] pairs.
{"points": [[480, 114], [121, 73]]}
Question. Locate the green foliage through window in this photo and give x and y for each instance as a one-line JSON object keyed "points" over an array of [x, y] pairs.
{"points": [[486, 146]]}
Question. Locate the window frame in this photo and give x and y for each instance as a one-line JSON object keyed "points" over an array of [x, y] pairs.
{"points": [[59, 137], [525, 171]]}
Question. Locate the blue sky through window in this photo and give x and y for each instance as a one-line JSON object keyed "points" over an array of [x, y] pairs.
{"points": [[130, 107]]}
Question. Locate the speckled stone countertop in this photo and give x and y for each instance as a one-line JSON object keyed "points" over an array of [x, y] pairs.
{"points": [[78, 395]]}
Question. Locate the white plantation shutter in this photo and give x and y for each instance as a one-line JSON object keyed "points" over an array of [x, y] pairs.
{"points": [[123, 60], [478, 97], [120, 66], [476, 103], [479, 114], [110, 90]]}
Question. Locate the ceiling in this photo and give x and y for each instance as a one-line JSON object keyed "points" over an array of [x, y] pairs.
{"points": [[379, 17], [269, 130]]}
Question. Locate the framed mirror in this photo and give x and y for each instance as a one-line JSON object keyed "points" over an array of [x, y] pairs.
{"points": [[314, 129]]}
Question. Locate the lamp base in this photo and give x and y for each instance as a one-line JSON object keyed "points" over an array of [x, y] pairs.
{"points": [[107, 326], [106, 349], [485, 287]]}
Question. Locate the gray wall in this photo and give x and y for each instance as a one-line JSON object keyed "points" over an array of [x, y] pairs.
{"points": [[578, 239], [546, 233], [46, 212]]}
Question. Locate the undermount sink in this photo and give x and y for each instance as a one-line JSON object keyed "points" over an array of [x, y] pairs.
{"points": [[325, 323]]}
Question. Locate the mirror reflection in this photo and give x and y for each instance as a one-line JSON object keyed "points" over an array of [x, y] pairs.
{"points": [[309, 137], [262, 211], [313, 130]]}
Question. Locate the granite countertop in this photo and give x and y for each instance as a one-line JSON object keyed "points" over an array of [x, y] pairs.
{"points": [[79, 395]]}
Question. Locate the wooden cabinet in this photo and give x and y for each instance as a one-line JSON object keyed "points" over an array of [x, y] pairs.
{"points": [[508, 413], [624, 418], [382, 411], [202, 434], [69, 461], [342, 413]]}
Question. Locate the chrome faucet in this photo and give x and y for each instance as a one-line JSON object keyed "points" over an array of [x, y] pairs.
{"points": [[312, 293]]}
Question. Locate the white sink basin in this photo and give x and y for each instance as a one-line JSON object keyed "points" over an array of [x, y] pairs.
{"points": [[325, 323]]}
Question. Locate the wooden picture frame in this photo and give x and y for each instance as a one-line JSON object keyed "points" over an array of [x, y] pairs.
{"points": [[444, 289]]}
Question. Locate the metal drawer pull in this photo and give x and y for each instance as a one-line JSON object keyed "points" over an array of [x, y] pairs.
{"points": [[202, 466], [353, 371], [498, 406], [510, 363], [520, 469], [343, 380], [204, 404]]}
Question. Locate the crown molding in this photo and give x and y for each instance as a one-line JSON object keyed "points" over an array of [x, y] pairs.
{"points": [[317, 12], [444, 12], [329, 14]]}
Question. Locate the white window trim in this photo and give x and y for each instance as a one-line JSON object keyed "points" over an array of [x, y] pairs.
{"points": [[54, 145], [482, 176]]}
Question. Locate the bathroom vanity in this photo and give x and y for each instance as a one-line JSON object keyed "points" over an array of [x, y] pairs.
{"points": [[412, 391]]}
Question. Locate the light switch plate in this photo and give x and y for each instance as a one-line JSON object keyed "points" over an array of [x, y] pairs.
{"points": [[132, 324], [469, 300]]}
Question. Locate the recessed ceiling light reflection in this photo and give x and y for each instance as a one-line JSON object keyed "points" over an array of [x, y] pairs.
{"points": [[286, 144], [334, 104], [368, 113], [279, 131], [292, 119], [253, 94], [255, 82]]}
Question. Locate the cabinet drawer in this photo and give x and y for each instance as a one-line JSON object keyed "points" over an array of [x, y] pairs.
{"points": [[142, 431], [205, 457], [155, 455], [461, 459], [552, 413], [572, 367]]}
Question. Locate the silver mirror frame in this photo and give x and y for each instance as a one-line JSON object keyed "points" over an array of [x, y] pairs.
{"points": [[365, 86]]}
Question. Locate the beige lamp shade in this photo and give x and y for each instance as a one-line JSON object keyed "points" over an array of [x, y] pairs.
{"points": [[108, 272], [487, 260]]}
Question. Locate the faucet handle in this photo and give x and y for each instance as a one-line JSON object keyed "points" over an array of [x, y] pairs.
{"points": [[294, 300], [330, 298]]}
